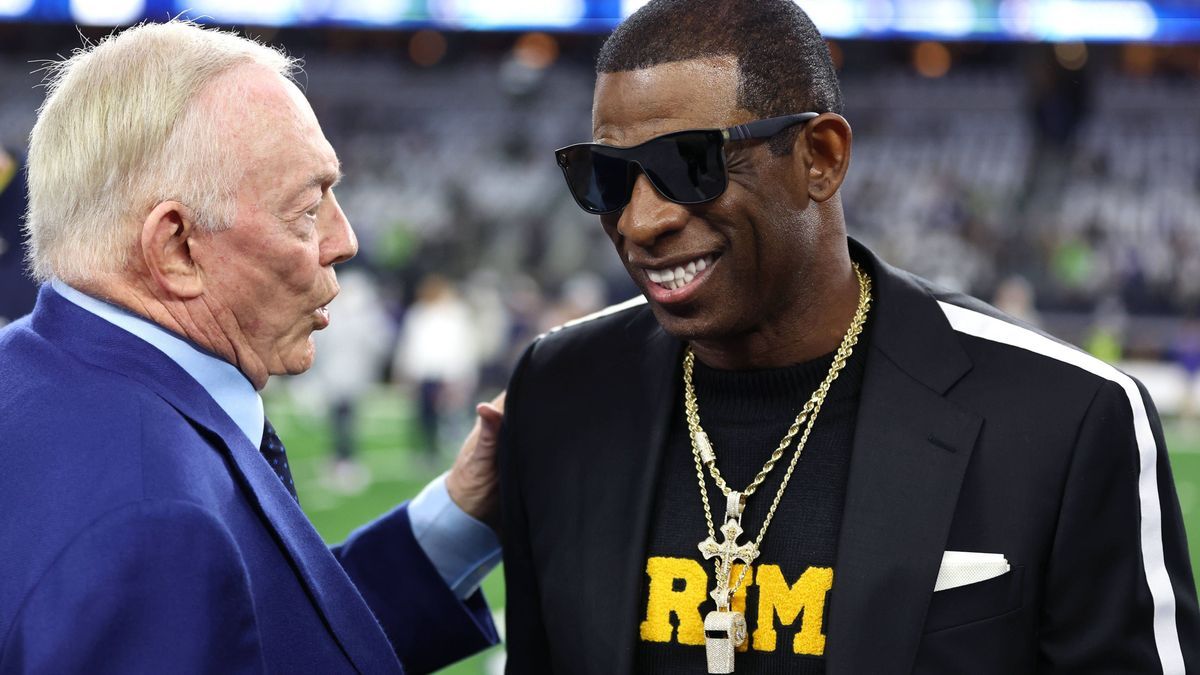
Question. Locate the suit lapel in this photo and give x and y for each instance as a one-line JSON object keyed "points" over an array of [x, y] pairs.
{"points": [[345, 612], [641, 442], [102, 344], [911, 450]]}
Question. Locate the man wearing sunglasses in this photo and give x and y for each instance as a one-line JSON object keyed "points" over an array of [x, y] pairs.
{"points": [[788, 456]]}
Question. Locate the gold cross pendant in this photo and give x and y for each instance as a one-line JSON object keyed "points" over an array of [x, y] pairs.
{"points": [[724, 630]]}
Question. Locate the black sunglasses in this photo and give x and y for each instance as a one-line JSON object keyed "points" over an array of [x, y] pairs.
{"points": [[686, 167]]}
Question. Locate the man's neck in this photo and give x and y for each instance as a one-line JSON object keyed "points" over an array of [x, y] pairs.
{"points": [[192, 320]]}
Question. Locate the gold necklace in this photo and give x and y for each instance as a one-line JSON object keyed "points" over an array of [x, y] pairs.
{"points": [[725, 630]]}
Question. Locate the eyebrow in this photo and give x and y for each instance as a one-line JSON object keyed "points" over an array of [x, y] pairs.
{"points": [[327, 178], [320, 179]]}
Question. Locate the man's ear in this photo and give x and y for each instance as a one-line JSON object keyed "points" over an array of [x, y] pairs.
{"points": [[167, 250], [824, 147]]}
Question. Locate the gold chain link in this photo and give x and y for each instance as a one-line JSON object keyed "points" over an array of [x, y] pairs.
{"points": [[805, 418]]}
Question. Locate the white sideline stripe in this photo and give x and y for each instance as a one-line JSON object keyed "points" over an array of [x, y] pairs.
{"points": [[613, 309], [1166, 633]]}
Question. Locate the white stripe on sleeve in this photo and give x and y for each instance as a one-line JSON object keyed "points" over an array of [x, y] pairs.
{"points": [[1166, 633], [612, 309]]}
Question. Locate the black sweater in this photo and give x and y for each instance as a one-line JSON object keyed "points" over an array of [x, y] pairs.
{"points": [[745, 414]]}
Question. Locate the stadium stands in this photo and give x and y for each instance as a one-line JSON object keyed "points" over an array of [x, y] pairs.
{"points": [[450, 168]]}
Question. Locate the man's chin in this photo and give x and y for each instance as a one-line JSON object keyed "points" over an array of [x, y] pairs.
{"points": [[686, 325], [301, 359]]}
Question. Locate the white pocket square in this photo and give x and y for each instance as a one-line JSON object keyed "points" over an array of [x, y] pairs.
{"points": [[960, 568]]}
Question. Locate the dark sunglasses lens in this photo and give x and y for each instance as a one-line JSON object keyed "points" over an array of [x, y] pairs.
{"points": [[598, 180], [687, 167]]}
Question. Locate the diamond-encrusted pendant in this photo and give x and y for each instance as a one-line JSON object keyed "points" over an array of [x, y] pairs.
{"points": [[724, 632]]}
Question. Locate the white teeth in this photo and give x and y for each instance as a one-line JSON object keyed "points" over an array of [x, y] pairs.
{"points": [[678, 277]]}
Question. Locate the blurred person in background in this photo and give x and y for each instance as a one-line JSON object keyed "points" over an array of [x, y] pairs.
{"points": [[437, 352], [1015, 297], [788, 456], [353, 352], [1185, 351], [493, 329], [183, 221], [1105, 338], [581, 295], [17, 292]]}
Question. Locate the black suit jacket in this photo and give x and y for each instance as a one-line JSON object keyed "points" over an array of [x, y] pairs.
{"points": [[973, 434]]}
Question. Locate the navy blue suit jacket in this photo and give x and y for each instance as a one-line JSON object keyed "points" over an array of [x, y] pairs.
{"points": [[142, 532]]}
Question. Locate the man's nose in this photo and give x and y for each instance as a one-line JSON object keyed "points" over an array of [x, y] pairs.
{"points": [[649, 215], [338, 243]]}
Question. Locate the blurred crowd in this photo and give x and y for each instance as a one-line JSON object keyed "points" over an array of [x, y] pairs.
{"points": [[1069, 197]]}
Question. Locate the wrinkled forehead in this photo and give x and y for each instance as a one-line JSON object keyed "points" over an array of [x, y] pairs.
{"points": [[632, 106], [263, 115]]}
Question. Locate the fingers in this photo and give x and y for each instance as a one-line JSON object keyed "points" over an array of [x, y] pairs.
{"points": [[493, 409], [491, 414], [473, 482]]}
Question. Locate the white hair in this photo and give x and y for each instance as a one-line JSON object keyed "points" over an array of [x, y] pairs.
{"points": [[119, 133]]}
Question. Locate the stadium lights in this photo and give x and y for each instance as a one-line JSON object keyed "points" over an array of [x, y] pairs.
{"points": [[1111, 20], [1022, 19], [106, 12], [950, 18], [1071, 55], [536, 50], [836, 19], [15, 7], [511, 13], [931, 59], [1048, 20], [376, 12], [427, 48], [259, 12]]}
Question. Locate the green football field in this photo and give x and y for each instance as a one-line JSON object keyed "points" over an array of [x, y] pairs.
{"points": [[392, 451]]}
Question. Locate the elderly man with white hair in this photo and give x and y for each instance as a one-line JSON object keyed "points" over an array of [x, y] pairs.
{"points": [[183, 223]]}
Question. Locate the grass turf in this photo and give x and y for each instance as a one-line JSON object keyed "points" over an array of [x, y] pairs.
{"points": [[391, 450]]}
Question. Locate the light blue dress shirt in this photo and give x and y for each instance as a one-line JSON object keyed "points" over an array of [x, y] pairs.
{"points": [[462, 549]]}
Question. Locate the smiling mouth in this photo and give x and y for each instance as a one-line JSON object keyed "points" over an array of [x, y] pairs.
{"points": [[675, 278]]}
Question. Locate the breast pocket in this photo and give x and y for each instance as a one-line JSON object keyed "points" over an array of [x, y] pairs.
{"points": [[975, 602]]}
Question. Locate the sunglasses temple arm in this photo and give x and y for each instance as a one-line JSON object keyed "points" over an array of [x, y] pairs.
{"points": [[765, 128]]}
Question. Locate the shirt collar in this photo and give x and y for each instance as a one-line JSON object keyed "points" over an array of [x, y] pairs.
{"points": [[221, 379]]}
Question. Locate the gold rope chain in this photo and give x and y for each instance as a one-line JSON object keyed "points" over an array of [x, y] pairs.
{"points": [[806, 418]]}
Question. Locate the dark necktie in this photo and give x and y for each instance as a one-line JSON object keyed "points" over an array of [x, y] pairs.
{"points": [[276, 456]]}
